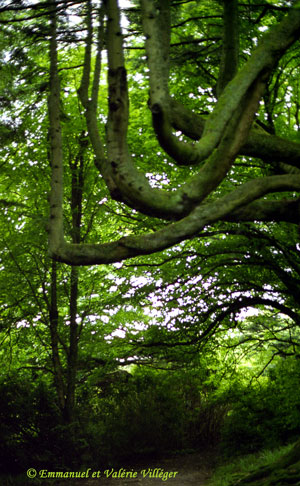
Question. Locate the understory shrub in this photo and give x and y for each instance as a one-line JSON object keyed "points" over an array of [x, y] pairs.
{"points": [[155, 413], [264, 415]]}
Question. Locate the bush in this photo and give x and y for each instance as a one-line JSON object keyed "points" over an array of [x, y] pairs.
{"points": [[151, 413], [265, 415], [155, 412], [27, 414]]}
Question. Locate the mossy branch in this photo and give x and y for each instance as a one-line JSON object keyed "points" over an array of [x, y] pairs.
{"points": [[230, 45]]}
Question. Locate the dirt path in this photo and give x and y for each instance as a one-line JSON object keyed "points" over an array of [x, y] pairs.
{"points": [[188, 470]]}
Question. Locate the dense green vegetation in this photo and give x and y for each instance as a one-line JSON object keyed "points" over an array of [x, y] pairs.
{"points": [[149, 298]]}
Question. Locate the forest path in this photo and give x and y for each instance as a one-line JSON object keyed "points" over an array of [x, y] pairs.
{"points": [[187, 470]]}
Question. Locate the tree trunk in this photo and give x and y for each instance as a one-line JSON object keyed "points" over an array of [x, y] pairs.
{"points": [[76, 167], [73, 348], [53, 318]]}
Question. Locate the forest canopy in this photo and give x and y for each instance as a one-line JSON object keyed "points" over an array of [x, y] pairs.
{"points": [[149, 242], [216, 78]]}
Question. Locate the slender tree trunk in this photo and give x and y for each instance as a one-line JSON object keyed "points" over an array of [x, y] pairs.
{"points": [[54, 318], [76, 167], [73, 348]]}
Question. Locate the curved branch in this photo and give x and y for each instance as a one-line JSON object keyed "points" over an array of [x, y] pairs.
{"points": [[265, 210], [132, 187], [270, 148], [186, 228], [262, 61]]}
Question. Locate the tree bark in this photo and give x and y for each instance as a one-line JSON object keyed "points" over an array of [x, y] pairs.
{"points": [[193, 205], [56, 231], [53, 322], [230, 45]]}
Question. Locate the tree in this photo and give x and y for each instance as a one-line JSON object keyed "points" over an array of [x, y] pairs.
{"points": [[230, 146], [42, 301], [201, 290], [227, 132], [243, 88]]}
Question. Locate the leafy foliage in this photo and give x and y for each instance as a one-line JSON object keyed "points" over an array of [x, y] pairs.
{"points": [[192, 346]]}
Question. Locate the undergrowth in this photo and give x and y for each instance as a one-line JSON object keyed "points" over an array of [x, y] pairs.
{"points": [[230, 472]]}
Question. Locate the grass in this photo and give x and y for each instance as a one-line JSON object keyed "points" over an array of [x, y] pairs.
{"points": [[240, 467]]}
